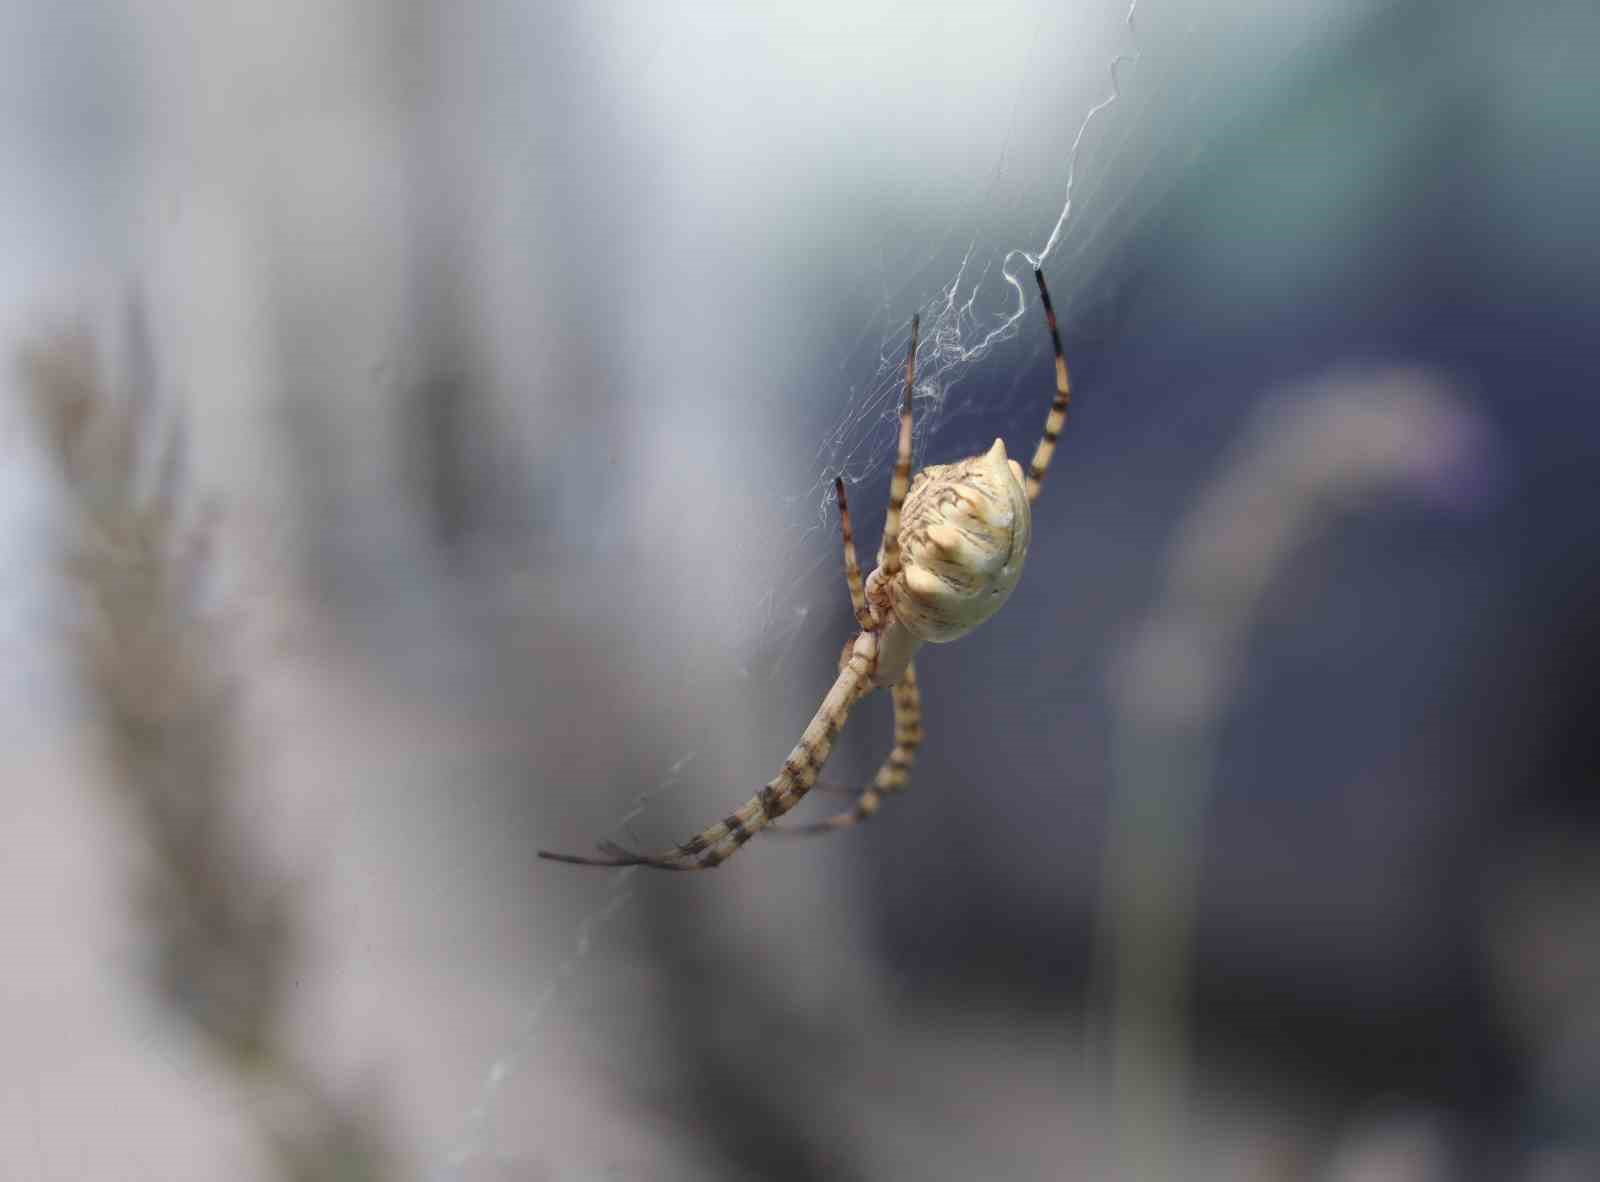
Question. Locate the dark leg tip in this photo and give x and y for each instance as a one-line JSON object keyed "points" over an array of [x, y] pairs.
{"points": [[573, 859]]}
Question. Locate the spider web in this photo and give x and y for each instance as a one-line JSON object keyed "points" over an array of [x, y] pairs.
{"points": [[1099, 111], [1102, 108], [1058, 185], [978, 309]]}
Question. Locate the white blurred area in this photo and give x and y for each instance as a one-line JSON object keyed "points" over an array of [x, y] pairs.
{"points": [[517, 346]]}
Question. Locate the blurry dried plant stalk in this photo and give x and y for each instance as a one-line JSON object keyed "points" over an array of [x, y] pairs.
{"points": [[1301, 461], [220, 924]]}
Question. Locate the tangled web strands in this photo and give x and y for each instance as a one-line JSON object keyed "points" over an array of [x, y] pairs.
{"points": [[961, 326]]}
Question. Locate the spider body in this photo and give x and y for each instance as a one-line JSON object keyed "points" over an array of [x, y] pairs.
{"points": [[963, 540], [964, 533], [954, 542]]}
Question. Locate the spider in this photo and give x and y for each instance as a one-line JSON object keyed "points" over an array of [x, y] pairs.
{"points": [[954, 540]]}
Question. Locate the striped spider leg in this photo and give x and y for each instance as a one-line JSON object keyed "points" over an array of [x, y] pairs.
{"points": [[716, 843], [953, 547], [894, 774]]}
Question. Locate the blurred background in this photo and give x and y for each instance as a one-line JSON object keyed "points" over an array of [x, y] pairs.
{"points": [[420, 424]]}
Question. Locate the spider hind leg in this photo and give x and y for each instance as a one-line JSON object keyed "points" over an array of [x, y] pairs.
{"points": [[893, 776], [612, 854], [705, 850]]}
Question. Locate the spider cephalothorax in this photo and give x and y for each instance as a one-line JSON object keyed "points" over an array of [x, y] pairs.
{"points": [[946, 569]]}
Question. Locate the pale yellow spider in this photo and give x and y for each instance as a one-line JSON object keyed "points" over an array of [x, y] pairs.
{"points": [[964, 537]]}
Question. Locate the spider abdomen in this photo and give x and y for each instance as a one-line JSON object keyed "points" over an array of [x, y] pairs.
{"points": [[963, 538]]}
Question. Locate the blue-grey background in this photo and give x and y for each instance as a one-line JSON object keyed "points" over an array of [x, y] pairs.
{"points": [[519, 343]]}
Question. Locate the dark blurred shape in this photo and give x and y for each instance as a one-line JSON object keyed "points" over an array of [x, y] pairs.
{"points": [[1306, 458]]}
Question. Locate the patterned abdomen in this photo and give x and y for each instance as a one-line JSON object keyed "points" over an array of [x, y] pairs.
{"points": [[963, 538]]}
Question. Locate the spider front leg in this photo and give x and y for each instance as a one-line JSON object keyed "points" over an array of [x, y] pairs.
{"points": [[894, 775], [858, 676], [1057, 418], [852, 565], [715, 844], [900, 483]]}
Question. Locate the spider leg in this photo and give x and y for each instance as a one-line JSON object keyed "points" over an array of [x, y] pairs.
{"points": [[895, 773], [852, 565], [901, 481], [717, 843], [1057, 419], [615, 855]]}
